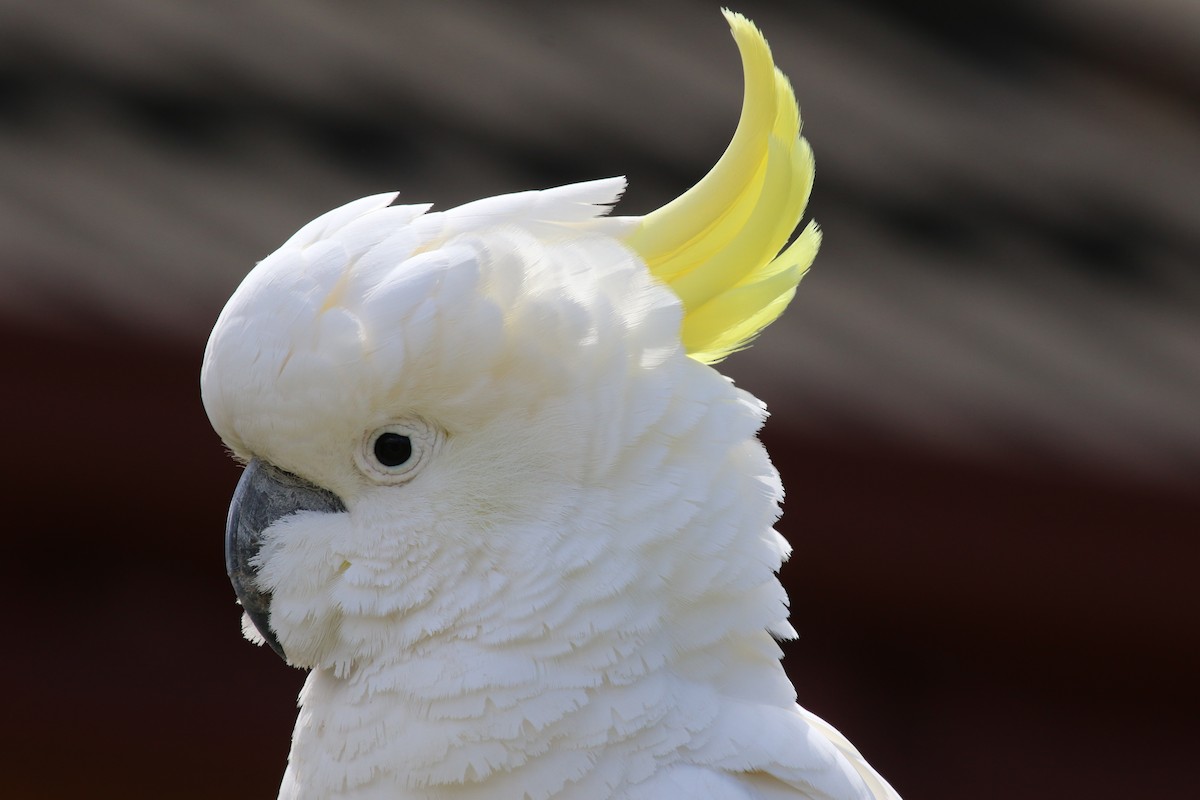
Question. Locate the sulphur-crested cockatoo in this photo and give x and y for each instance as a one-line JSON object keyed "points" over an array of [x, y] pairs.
{"points": [[500, 505]]}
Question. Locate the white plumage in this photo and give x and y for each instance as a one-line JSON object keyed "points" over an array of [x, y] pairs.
{"points": [[568, 589]]}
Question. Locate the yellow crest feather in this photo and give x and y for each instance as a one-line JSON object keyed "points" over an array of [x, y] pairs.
{"points": [[718, 245]]}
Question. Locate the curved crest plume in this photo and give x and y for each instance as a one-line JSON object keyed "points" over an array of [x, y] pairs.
{"points": [[718, 245]]}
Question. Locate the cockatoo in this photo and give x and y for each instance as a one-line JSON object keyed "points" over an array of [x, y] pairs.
{"points": [[499, 503]]}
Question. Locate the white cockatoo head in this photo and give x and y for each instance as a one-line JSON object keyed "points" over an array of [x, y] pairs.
{"points": [[499, 502], [451, 417], [490, 402]]}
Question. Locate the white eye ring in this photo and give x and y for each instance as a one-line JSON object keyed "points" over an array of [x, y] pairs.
{"points": [[396, 452]]}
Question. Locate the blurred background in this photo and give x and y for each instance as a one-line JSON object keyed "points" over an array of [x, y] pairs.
{"points": [[985, 397]]}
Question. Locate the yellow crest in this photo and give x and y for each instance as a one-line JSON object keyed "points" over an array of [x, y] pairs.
{"points": [[718, 245]]}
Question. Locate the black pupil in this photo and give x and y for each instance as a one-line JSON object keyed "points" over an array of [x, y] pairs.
{"points": [[392, 449]]}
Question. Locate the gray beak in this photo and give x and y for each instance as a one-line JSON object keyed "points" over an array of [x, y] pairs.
{"points": [[264, 495]]}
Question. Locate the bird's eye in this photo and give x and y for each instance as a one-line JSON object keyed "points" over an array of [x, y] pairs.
{"points": [[393, 449], [394, 453]]}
